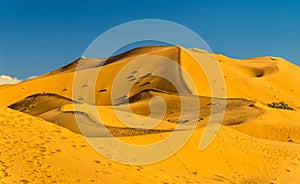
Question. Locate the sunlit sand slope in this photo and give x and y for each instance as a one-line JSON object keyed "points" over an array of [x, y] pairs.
{"points": [[34, 150]]}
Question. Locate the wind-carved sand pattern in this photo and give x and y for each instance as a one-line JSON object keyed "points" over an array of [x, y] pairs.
{"points": [[255, 144]]}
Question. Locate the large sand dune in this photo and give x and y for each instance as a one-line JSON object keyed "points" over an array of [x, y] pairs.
{"points": [[255, 143]]}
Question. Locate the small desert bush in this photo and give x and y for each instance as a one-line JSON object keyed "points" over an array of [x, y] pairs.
{"points": [[280, 105]]}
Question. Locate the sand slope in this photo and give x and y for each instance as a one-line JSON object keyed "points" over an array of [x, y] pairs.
{"points": [[37, 151]]}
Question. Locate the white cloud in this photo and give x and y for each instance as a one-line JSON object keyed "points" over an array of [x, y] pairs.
{"points": [[31, 77], [4, 79]]}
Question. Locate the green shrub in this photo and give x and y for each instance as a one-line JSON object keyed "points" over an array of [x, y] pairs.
{"points": [[280, 105]]}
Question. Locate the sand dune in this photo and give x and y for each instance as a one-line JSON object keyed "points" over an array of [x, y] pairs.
{"points": [[256, 143], [240, 77], [37, 151]]}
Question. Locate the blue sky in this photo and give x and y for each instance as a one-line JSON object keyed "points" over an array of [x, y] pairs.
{"points": [[39, 36]]}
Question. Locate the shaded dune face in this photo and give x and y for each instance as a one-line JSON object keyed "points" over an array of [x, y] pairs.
{"points": [[253, 68]]}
